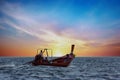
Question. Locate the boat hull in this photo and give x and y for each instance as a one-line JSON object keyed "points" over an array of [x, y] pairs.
{"points": [[61, 62]]}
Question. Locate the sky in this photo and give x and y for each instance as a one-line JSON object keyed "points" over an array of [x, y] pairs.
{"points": [[92, 25]]}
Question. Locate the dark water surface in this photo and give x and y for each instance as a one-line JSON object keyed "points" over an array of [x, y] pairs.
{"points": [[82, 68]]}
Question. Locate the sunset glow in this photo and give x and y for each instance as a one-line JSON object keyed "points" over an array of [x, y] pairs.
{"points": [[93, 26]]}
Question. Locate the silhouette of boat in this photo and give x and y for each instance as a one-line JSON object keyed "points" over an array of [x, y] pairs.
{"points": [[63, 61]]}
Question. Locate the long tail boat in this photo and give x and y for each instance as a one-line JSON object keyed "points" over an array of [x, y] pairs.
{"points": [[63, 61]]}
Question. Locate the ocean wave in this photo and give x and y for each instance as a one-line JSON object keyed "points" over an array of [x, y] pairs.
{"points": [[79, 69], [7, 65]]}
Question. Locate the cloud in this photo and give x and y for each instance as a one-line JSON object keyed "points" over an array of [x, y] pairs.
{"points": [[49, 30], [26, 24], [115, 44], [42, 30]]}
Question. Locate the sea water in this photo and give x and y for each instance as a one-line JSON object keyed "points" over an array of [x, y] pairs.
{"points": [[81, 68]]}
